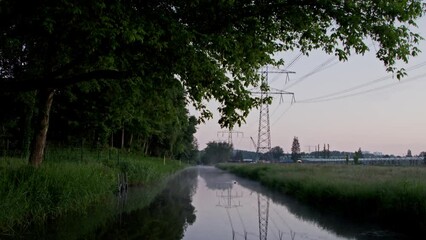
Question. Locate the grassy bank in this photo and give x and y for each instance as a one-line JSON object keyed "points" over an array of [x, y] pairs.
{"points": [[395, 196], [65, 184]]}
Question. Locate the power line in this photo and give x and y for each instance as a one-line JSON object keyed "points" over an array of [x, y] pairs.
{"points": [[366, 91], [361, 85], [282, 114], [230, 223], [318, 69], [264, 132], [282, 219], [329, 97], [326, 64], [242, 223], [293, 61], [275, 110]]}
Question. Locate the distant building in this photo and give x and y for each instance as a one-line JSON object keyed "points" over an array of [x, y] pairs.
{"points": [[378, 153], [247, 160]]}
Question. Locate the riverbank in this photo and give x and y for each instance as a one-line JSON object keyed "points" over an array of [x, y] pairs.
{"points": [[394, 196], [61, 186]]}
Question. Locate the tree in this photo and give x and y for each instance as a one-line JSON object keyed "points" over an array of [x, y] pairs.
{"points": [[295, 149], [409, 153], [356, 158], [213, 49], [238, 157], [216, 152], [359, 153], [276, 153]]}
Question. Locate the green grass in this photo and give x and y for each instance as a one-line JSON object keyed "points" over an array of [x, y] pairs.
{"points": [[67, 183], [395, 196]]}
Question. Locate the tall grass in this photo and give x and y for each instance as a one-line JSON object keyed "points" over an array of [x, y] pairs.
{"points": [[67, 182], [395, 196]]}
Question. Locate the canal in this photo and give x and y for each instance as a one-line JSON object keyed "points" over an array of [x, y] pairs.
{"points": [[205, 203]]}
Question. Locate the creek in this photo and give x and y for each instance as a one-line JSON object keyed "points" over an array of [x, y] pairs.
{"points": [[205, 203]]}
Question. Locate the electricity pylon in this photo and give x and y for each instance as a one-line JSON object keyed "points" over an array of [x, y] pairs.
{"points": [[264, 131], [230, 132]]}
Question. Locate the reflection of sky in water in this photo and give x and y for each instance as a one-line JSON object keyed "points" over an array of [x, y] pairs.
{"points": [[218, 214]]}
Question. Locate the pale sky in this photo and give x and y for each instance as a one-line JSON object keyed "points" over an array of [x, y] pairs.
{"points": [[389, 117]]}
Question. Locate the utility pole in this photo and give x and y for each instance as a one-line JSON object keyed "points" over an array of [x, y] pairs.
{"points": [[230, 132], [264, 131]]}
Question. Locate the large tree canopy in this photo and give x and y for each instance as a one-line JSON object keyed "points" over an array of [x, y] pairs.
{"points": [[212, 49]]}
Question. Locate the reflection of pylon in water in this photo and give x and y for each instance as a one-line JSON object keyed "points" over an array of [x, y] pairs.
{"points": [[227, 196], [263, 211]]}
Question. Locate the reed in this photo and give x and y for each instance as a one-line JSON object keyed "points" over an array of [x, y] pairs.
{"points": [[395, 196], [67, 183]]}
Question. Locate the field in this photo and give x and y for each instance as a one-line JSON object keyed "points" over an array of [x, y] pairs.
{"points": [[395, 196], [70, 181]]}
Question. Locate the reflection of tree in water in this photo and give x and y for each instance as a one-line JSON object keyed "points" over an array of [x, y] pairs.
{"points": [[166, 218]]}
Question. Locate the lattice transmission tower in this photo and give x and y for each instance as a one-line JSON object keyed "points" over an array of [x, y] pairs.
{"points": [[264, 131], [230, 132]]}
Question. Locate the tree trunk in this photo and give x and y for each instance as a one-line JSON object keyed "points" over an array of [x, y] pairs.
{"points": [[145, 146], [122, 138], [112, 140], [131, 140], [45, 97]]}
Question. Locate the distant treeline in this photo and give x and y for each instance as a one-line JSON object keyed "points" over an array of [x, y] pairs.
{"points": [[276, 155]]}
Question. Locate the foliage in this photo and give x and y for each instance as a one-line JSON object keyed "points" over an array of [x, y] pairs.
{"points": [[356, 159], [357, 155], [168, 53], [238, 156], [15, 120], [216, 152], [213, 49], [103, 113], [409, 153], [276, 153], [295, 149], [64, 186], [391, 195], [166, 218]]}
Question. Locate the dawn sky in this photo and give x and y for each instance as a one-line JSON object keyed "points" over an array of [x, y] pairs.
{"points": [[379, 115]]}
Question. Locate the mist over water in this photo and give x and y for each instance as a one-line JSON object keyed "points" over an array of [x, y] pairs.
{"points": [[205, 203]]}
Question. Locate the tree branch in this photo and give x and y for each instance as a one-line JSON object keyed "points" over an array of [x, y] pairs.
{"points": [[17, 85]]}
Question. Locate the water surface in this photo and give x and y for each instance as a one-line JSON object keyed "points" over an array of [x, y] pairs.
{"points": [[205, 203]]}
